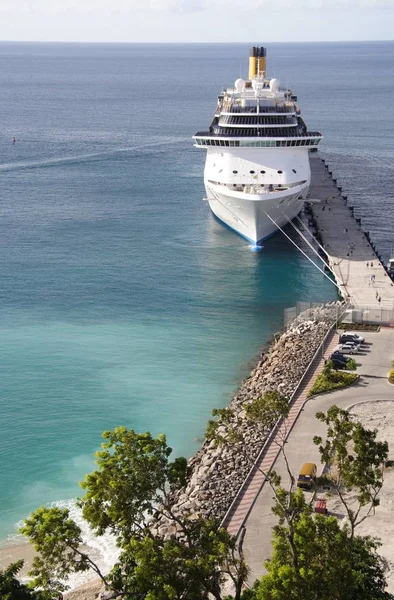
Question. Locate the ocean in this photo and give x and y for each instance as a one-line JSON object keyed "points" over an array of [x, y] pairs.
{"points": [[122, 301]]}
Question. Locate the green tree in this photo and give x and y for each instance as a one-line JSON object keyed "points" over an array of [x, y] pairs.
{"points": [[131, 495], [12, 589], [314, 558], [330, 564], [358, 459], [58, 540]]}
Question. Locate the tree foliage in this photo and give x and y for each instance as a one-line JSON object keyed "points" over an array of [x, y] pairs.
{"points": [[358, 459], [268, 409], [314, 558], [323, 562], [131, 495], [12, 589], [58, 540], [132, 487], [133, 477], [262, 412]]}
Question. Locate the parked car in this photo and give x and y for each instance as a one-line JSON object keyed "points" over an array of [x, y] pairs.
{"points": [[336, 355], [348, 348], [351, 337], [338, 364], [307, 477]]}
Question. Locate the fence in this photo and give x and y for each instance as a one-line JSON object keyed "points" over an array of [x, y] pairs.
{"points": [[291, 313], [373, 315]]}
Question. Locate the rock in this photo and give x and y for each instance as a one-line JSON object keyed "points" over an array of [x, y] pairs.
{"points": [[218, 472]]}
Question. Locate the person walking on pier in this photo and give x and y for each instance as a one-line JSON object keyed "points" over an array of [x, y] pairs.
{"points": [[367, 265]]}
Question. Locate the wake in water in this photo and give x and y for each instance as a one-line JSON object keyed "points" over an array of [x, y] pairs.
{"points": [[82, 158]]}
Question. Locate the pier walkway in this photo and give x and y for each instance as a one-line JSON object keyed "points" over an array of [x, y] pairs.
{"points": [[347, 246]]}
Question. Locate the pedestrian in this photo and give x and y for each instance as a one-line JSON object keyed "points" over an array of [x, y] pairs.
{"points": [[379, 299], [371, 264], [377, 295], [367, 264]]}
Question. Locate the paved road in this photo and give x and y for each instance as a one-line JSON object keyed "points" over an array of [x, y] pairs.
{"points": [[374, 364]]}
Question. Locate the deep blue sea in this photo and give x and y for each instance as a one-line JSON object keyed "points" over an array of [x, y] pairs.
{"points": [[122, 301]]}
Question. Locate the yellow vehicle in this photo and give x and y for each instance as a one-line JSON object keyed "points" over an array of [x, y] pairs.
{"points": [[307, 476]]}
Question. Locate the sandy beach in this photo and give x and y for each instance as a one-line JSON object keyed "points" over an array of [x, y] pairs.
{"points": [[380, 416], [84, 591]]}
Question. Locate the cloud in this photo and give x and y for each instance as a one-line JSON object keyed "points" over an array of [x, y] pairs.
{"points": [[180, 7], [176, 6], [250, 5]]}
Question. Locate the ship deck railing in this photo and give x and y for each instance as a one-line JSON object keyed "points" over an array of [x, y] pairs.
{"points": [[249, 133], [254, 188]]}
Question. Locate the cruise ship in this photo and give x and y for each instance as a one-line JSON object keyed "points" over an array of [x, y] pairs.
{"points": [[257, 170]]}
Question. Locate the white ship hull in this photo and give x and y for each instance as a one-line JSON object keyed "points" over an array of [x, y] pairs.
{"points": [[248, 187], [250, 216]]}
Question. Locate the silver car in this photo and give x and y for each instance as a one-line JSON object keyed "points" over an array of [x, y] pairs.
{"points": [[348, 348]]}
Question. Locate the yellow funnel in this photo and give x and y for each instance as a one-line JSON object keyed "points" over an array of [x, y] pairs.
{"points": [[261, 66], [257, 65], [252, 67]]}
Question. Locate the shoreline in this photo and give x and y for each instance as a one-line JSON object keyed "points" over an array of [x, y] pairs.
{"points": [[218, 473]]}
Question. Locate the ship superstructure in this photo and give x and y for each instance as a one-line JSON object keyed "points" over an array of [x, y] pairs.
{"points": [[257, 171]]}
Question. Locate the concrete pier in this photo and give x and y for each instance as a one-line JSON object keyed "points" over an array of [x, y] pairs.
{"points": [[347, 247]]}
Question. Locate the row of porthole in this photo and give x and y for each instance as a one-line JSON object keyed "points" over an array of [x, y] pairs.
{"points": [[263, 172]]}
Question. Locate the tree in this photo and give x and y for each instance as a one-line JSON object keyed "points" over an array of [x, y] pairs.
{"points": [[57, 539], [314, 558], [358, 459], [131, 495], [262, 412], [330, 564], [12, 589]]}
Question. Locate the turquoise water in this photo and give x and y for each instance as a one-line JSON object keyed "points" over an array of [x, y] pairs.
{"points": [[123, 302]]}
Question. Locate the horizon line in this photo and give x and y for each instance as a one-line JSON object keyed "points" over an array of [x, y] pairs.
{"points": [[193, 43]]}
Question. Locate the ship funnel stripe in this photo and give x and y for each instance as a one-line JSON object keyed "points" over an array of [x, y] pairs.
{"points": [[258, 52]]}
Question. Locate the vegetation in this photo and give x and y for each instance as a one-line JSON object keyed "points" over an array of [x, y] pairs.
{"points": [[134, 484], [330, 380], [359, 461], [391, 376], [314, 556], [12, 589], [351, 364], [358, 327], [262, 412], [317, 559]]}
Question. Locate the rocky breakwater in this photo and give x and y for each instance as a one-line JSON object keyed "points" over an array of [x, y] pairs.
{"points": [[218, 470]]}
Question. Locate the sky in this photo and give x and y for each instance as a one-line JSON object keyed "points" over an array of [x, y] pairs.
{"points": [[196, 20]]}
